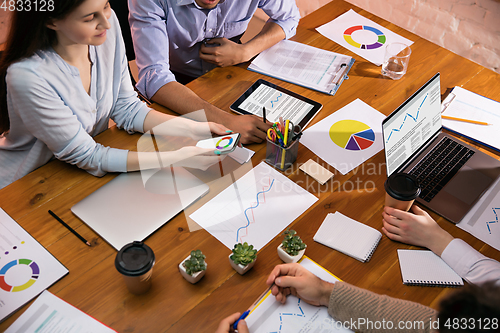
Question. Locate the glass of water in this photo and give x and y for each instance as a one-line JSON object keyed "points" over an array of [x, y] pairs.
{"points": [[396, 59]]}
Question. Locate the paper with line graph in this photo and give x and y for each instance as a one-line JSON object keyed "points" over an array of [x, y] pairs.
{"points": [[295, 316], [483, 220], [255, 208]]}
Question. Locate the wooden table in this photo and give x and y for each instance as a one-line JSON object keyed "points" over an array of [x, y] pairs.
{"points": [[174, 305]]}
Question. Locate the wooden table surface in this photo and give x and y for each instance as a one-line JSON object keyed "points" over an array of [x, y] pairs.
{"points": [[174, 305]]}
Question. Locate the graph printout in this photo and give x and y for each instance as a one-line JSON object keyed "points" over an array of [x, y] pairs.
{"points": [[347, 137], [255, 208], [26, 267], [361, 36], [50, 314], [483, 220], [295, 316]]}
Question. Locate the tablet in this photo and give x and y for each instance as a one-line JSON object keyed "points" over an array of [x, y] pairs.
{"points": [[278, 101]]}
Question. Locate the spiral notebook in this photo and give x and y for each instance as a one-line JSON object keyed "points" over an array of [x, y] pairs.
{"points": [[424, 268], [348, 236]]}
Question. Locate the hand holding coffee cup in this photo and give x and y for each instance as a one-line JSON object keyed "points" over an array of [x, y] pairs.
{"points": [[401, 190]]}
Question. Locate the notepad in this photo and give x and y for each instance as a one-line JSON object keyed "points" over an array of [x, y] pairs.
{"points": [[424, 268], [348, 236]]}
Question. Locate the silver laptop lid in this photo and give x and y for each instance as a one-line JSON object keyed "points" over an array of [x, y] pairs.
{"points": [[133, 205], [412, 125]]}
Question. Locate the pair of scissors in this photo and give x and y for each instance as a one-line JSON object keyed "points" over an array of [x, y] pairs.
{"points": [[271, 134]]}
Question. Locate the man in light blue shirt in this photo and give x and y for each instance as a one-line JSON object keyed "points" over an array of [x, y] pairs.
{"points": [[190, 37]]}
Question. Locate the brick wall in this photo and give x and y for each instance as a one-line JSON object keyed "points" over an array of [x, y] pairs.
{"points": [[470, 28]]}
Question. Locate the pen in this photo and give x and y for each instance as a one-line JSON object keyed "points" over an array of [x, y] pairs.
{"points": [[243, 316], [264, 114], [465, 120], [68, 227]]}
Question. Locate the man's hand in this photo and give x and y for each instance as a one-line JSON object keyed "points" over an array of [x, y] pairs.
{"points": [[251, 128], [223, 52], [418, 228], [296, 280], [226, 324]]}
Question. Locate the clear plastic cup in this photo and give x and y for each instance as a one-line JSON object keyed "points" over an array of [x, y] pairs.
{"points": [[396, 59]]}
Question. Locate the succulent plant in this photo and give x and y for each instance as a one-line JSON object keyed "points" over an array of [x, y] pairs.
{"points": [[292, 243], [243, 254], [195, 263]]}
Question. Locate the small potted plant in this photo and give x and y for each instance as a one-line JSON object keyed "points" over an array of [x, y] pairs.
{"points": [[193, 268], [243, 257], [292, 248]]}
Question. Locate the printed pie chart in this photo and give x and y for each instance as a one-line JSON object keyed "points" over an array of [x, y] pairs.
{"points": [[352, 134], [31, 279]]}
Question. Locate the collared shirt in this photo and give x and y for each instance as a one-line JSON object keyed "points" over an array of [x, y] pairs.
{"points": [[51, 114], [168, 33], [470, 264]]}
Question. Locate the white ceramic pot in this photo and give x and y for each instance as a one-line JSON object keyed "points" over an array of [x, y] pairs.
{"points": [[240, 268], [288, 258], [191, 278]]}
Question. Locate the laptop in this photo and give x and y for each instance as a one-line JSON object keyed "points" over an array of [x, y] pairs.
{"points": [[452, 174], [134, 205]]}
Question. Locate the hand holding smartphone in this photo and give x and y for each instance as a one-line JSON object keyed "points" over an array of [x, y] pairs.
{"points": [[224, 144]]}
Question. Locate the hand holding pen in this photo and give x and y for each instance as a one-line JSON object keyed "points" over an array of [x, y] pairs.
{"points": [[226, 325]]}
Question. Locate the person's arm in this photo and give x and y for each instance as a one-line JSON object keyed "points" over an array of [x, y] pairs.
{"points": [[229, 53], [156, 81], [363, 311], [284, 17], [294, 279], [416, 228], [470, 264], [348, 304], [183, 100], [225, 326]]}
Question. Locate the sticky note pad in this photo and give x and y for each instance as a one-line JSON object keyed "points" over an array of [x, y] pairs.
{"points": [[316, 171]]}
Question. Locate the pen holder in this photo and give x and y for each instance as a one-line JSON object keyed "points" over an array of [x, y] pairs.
{"points": [[282, 158]]}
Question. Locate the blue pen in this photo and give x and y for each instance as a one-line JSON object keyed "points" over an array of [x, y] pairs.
{"points": [[243, 316]]}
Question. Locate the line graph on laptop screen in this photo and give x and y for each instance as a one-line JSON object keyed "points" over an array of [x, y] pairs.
{"points": [[412, 125]]}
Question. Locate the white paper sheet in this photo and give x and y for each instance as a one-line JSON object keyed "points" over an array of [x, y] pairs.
{"points": [[361, 36], [50, 314], [295, 315], [462, 103], [348, 137], [26, 267], [255, 208], [483, 220]]}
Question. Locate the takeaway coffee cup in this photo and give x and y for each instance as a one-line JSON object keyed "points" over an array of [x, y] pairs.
{"points": [[135, 262], [401, 190]]}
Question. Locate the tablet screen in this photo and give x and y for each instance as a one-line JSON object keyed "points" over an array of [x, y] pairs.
{"points": [[278, 102]]}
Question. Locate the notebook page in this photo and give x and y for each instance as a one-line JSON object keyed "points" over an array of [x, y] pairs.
{"points": [[348, 236], [423, 267]]}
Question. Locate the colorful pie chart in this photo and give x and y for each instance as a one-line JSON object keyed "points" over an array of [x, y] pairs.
{"points": [[352, 135], [35, 272], [378, 40]]}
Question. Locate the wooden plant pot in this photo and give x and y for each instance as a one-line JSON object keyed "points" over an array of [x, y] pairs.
{"points": [[191, 278], [240, 268], [288, 258]]}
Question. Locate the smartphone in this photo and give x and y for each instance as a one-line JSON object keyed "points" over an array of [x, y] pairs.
{"points": [[225, 144]]}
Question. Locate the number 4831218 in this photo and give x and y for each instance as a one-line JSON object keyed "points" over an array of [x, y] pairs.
{"points": [[27, 5]]}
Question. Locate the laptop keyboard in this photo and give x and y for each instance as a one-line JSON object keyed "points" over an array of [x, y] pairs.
{"points": [[439, 166]]}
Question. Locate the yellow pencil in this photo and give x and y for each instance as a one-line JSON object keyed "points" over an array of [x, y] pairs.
{"points": [[287, 122], [465, 120]]}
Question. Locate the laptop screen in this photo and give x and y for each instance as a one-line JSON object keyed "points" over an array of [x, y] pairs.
{"points": [[412, 125]]}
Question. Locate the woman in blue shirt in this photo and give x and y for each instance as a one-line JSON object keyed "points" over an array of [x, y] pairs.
{"points": [[65, 75]]}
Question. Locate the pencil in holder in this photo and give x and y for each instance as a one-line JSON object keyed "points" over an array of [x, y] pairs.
{"points": [[283, 157]]}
